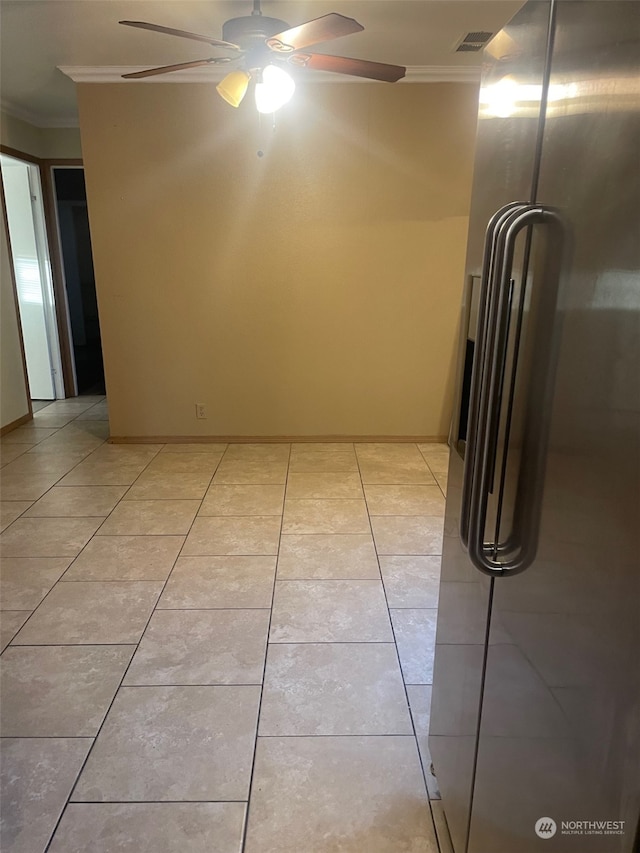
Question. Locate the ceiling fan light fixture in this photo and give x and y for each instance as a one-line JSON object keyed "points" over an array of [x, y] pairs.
{"points": [[233, 87], [274, 90]]}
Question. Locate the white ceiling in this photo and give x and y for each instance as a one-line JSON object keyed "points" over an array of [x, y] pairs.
{"points": [[37, 36]]}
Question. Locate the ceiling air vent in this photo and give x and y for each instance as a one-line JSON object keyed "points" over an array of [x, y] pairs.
{"points": [[472, 42]]}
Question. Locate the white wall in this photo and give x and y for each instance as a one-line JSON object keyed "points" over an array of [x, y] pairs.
{"points": [[28, 279], [14, 400]]}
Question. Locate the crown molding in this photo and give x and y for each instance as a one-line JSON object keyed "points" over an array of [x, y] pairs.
{"points": [[212, 73], [34, 119], [442, 74]]}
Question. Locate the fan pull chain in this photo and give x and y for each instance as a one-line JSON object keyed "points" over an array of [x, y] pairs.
{"points": [[261, 152]]}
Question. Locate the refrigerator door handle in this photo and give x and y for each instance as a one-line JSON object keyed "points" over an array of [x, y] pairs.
{"points": [[491, 558], [486, 312]]}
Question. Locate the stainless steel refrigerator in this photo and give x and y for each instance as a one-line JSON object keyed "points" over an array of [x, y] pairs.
{"points": [[535, 714]]}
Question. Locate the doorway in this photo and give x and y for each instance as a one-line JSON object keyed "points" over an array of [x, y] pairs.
{"points": [[32, 269], [77, 264]]}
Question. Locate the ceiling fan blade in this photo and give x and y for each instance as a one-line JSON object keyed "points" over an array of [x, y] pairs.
{"points": [[166, 69], [345, 65], [156, 28], [327, 27]]}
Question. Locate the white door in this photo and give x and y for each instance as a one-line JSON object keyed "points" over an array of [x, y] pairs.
{"points": [[25, 218]]}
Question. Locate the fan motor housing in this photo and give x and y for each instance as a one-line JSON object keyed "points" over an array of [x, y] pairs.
{"points": [[251, 30]]}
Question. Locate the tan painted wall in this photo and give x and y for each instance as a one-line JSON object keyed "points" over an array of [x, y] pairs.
{"points": [[313, 291], [14, 403], [52, 143]]}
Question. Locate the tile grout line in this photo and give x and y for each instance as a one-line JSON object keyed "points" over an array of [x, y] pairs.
{"points": [[124, 675], [56, 430], [435, 473], [262, 737], [48, 645], [128, 487], [55, 557], [404, 684], [350, 735], [333, 643], [245, 828], [151, 802]]}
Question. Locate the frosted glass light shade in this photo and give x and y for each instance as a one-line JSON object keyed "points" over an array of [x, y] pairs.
{"points": [[233, 87], [277, 87]]}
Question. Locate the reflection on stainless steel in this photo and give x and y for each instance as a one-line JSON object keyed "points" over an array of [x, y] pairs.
{"points": [[536, 695], [508, 97]]}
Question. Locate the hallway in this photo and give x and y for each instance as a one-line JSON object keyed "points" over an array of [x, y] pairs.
{"points": [[216, 647]]}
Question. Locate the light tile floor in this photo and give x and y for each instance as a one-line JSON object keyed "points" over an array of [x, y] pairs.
{"points": [[216, 648]]}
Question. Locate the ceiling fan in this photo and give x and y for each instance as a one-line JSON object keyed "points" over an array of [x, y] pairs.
{"points": [[263, 46]]}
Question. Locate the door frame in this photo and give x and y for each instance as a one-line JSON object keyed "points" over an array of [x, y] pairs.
{"points": [[55, 257], [48, 166], [41, 238], [53, 230]]}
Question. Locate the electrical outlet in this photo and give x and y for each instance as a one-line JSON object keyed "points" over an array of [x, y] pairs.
{"points": [[201, 411]]}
